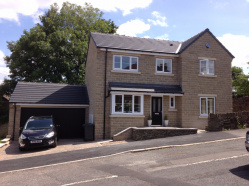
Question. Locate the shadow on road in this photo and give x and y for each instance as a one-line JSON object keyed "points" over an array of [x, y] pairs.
{"points": [[242, 172]]}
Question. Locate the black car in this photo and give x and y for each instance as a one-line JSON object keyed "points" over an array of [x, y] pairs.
{"points": [[38, 131], [247, 141]]}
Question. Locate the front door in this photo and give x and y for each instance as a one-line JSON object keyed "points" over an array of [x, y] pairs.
{"points": [[156, 111]]}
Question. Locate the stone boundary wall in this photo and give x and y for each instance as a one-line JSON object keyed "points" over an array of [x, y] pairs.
{"points": [[236, 120], [145, 133], [3, 130]]}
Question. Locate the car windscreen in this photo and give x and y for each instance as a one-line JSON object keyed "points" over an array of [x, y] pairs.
{"points": [[37, 124]]}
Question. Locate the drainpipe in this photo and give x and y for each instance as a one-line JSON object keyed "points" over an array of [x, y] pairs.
{"points": [[105, 91], [13, 135]]}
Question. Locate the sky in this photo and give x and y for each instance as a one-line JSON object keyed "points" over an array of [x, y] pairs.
{"points": [[176, 20]]}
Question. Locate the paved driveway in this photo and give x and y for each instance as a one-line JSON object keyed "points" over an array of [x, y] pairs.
{"points": [[11, 151]]}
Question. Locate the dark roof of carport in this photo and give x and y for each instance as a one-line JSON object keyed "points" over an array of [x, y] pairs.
{"points": [[49, 93], [158, 88]]}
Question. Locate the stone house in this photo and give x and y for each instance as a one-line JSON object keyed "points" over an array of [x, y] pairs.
{"points": [[130, 78]]}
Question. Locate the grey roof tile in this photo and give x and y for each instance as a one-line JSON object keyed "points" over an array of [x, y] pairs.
{"points": [[158, 88], [49, 93], [134, 43]]}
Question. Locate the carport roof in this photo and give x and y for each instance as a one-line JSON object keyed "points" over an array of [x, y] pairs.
{"points": [[49, 93]]}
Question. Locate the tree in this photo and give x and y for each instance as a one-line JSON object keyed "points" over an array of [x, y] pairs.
{"points": [[240, 82], [56, 49]]}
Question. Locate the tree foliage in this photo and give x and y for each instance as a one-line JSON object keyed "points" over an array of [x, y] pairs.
{"points": [[240, 82], [55, 50]]}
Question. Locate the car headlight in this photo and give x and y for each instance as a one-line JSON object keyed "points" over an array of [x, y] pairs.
{"points": [[49, 135], [23, 137]]}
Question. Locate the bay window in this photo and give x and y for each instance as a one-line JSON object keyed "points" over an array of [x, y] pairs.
{"points": [[127, 104]]}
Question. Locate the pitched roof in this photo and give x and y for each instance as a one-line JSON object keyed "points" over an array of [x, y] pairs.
{"points": [[134, 43], [147, 45], [49, 93], [191, 40], [152, 88]]}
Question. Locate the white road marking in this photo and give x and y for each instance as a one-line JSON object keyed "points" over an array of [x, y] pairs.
{"points": [[86, 181], [195, 163], [124, 152]]}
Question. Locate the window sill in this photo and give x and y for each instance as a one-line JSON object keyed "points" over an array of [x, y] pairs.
{"points": [[172, 110], [203, 117], [126, 115], [205, 75], [164, 74], [122, 71]]}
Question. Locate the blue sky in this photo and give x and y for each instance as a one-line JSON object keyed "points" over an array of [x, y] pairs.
{"points": [[175, 20]]}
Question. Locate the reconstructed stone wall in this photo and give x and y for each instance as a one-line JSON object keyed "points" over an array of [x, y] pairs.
{"points": [[145, 134], [218, 122]]}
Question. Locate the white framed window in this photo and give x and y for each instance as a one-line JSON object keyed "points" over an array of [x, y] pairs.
{"points": [[164, 66], [207, 106], [127, 104], [125, 63], [172, 102], [206, 67]]}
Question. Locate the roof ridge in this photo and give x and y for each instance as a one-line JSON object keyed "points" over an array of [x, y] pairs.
{"points": [[136, 37]]}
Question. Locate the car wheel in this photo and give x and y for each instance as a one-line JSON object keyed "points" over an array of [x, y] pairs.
{"points": [[55, 143], [247, 149], [21, 148]]}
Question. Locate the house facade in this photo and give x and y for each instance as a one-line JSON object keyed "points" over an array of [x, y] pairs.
{"points": [[130, 78]]}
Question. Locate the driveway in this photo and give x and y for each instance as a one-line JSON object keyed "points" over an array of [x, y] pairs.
{"points": [[11, 151]]}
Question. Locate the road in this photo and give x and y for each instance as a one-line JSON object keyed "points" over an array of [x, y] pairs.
{"points": [[217, 163]]}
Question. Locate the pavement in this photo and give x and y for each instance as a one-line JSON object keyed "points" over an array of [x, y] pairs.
{"points": [[77, 150]]}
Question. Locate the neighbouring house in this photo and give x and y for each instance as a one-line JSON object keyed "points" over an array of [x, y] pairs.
{"points": [[130, 78]]}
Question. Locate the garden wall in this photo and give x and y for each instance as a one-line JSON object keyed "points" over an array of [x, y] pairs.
{"points": [[236, 120]]}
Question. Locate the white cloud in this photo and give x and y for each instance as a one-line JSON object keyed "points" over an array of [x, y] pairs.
{"points": [[10, 9], [4, 71], [2, 63], [146, 37], [238, 45], [163, 37], [133, 27], [160, 20]]}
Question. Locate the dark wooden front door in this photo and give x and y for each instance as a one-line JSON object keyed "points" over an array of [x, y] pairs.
{"points": [[156, 111]]}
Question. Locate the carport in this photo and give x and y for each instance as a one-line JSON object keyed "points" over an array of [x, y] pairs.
{"points": [[67, 103]]}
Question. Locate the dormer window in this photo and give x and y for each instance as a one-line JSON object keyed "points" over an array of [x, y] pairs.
{"points": [[125, 63], [206, 67]]}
